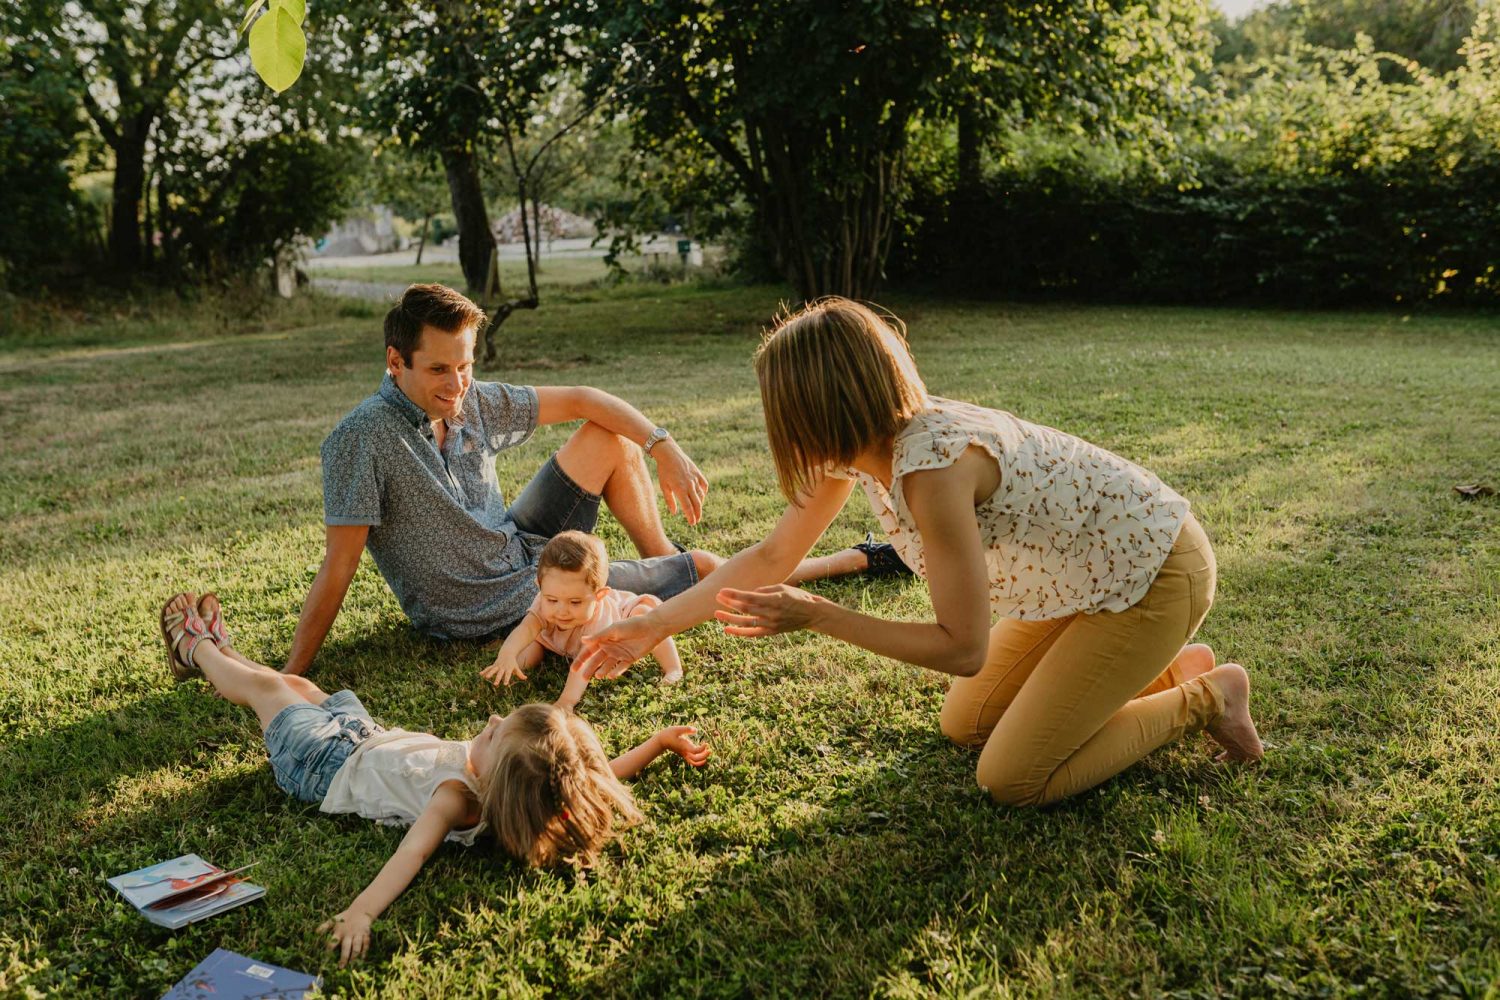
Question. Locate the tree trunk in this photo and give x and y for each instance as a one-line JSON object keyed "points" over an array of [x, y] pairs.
{"points": [[422, 243], [968, 150], [125, 211], [475, 240]]}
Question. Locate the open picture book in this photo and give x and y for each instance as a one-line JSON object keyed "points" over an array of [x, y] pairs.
{"points": [[178, 892]]}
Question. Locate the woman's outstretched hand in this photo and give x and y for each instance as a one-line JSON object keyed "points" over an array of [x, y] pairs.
{"points": [[767, 610], [608, 652]]}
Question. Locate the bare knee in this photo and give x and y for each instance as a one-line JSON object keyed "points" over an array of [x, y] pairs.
{"points": [[599, 441], [705, 562], [305, 688]]}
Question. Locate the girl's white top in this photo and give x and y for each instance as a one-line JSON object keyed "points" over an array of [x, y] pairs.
{"points": [[391, 776], [1071, 528]]}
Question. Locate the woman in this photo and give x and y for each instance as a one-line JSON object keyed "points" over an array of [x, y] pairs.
{"points": [[1098, 571]]}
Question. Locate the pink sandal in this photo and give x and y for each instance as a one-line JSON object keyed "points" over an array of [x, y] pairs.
{"points": [[175, 625], [213, 617]]}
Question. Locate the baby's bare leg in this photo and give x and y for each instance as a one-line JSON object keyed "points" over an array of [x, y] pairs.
{"points": [[671, 663]]}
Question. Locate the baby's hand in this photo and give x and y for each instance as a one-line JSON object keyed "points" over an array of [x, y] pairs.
{"points": [[503, 669], [350, 932], [678, 740]]}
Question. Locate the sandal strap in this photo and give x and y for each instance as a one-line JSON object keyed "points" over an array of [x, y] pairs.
{"points": [[216, 630], [186, 623]]}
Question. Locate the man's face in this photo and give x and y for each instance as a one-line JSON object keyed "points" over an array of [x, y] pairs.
{"points": [[441, 369]]}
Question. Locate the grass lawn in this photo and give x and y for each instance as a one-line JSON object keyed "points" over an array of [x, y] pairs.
{"points": [[556, 271], [836, 844]]}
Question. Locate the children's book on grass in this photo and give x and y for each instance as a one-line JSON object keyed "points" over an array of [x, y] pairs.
{"points": [[225, 975], [177, 892]]}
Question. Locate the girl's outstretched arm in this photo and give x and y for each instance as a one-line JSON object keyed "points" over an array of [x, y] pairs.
{"points": [[674, 738], [350, 930]]}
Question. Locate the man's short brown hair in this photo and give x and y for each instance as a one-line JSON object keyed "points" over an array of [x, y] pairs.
{"points": [[420, 306], [575, 552]]}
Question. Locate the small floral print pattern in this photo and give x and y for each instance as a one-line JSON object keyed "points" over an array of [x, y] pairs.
{"points": [[1071, 528]]}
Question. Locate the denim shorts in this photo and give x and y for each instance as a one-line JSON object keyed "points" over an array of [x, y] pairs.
{"points": [[308, 743], [553, 503]]}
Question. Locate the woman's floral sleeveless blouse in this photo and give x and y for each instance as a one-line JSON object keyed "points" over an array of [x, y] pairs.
{"points": [[1071, 528]]}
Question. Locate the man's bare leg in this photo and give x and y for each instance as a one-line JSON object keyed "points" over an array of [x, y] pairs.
{"points": [[602, 462], [841, 563]]}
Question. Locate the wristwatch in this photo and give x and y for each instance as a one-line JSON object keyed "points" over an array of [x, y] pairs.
{"points": [[658, 435]]}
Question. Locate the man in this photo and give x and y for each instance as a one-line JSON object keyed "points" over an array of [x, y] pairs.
{"points": [[410, 474]]}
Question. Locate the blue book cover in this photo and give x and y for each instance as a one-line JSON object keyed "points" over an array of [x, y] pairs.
{"points": [[225, 975]]}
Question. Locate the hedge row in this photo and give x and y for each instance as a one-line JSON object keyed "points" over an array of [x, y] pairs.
{"points": [[1309, 240]]}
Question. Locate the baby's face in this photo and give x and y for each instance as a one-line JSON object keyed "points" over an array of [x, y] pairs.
{"points": [[567, 599]]}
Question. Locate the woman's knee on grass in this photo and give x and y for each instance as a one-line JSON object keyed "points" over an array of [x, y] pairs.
{"points": [[961, 723], [1012, 786]]}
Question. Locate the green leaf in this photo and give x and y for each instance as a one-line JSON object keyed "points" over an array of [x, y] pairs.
{"points": [[296, 8], [278, 48], [250, 12]]}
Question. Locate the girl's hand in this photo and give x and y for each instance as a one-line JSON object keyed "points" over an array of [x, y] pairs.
{"points": [[767, 610], [608, 652], [678, 740], [503, 669], [351, 934]]}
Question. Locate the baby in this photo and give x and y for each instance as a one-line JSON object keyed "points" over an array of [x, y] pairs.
{"points": [[574, 602]]}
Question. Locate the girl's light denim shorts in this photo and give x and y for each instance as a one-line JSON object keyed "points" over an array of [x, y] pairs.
{"points": [[308, 743]]}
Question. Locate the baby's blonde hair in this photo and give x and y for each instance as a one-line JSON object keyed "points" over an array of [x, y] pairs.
{"points": [[835, 379], [550, 796], [575, 552]]}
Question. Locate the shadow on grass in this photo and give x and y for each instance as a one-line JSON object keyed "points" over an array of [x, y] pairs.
{"points": [[876, 887]]}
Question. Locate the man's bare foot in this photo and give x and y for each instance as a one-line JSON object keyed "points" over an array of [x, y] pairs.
{"points": [[1195, 660], [671, 676], [1234, 730]]}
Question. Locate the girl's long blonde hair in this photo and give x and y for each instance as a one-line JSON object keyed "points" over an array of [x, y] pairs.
{"points": [[835, 379], [550, 796]]}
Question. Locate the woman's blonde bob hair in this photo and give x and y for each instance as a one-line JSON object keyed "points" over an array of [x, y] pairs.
{"points": [[551, 796], [835, 378]]}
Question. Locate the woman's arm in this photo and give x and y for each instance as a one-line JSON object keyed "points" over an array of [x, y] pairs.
{"points": [[609, 652], [448, 807], [942, 503]]}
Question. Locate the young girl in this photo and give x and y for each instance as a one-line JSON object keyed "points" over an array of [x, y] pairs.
{"points": [[1098, 572], [537, 779], [574, 601]]}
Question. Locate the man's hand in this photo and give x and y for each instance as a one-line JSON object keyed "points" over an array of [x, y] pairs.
{"points": [[505, 669], [683, 486], [350, 933], [767, 610], [678, 740]]}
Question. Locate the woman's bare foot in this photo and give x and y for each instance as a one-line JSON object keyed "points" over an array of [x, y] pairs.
{"points": [[1195, 660], [671, 676], [1234, 730]]}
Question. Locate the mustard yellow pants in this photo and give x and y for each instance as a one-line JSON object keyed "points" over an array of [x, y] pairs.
{"points": [[1063, 704]]}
